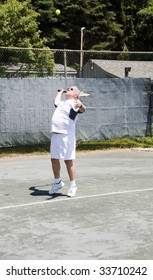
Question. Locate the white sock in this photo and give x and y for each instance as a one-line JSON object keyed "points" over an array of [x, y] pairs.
{"points": [[72, 184], [56, 181]]}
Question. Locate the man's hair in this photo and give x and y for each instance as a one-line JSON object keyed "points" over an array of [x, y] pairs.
{"points": [[76, 90]]}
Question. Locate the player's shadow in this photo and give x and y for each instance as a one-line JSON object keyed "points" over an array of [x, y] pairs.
{"points": [[38, 192]]}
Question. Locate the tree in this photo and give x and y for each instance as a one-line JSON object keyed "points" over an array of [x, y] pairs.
{"points": [[110, 25], [19, 28], [63, 31], [127, 14], [144, 26], [104, 30], [53, 27], [148, 10]]}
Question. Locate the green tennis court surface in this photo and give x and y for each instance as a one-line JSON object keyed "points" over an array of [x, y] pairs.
{"points": [[110, 218]]}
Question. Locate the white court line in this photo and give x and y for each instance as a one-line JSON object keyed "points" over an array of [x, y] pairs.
{"points": [[74, 198]]}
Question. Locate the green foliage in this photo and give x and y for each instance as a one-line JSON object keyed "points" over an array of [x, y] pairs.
{"points": [[64, 31], [144, 26], [19, 28], [147, 11], [110, 25], [124, 143], [45, 63], [127, 13]]}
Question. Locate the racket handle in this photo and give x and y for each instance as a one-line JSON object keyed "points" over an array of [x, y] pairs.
{"points": [[60, 90]]}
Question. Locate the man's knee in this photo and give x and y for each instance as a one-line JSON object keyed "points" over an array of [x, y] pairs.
{"points": [[69, 162]]}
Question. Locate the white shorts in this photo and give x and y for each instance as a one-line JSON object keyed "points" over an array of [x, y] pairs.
{"points": [[62, 146]]}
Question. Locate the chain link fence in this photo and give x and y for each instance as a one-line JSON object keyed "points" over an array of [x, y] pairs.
{"points": [[23, 62], [60, 63]]}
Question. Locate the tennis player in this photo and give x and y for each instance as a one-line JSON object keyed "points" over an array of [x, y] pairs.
{"points": [[63, 140]]}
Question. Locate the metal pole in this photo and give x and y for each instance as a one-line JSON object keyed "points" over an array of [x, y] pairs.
{"points": [[65, 64], [81, 51]]}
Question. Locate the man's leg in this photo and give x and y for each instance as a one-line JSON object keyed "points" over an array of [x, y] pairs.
{"points": [[70, 169], [71, 172], [56, 167], [58, 184]]}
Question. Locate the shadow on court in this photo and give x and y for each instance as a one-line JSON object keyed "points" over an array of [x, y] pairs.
{"points": [[36, 191], [110, 218]]}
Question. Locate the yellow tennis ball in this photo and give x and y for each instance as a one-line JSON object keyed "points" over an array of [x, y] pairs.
{"points": [[57, 12]]}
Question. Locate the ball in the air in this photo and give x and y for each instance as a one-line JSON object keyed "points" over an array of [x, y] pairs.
{"points": [[57, 12]]}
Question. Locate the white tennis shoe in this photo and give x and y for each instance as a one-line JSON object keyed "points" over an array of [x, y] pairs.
{"points": [[72, 191], [56, 187]]}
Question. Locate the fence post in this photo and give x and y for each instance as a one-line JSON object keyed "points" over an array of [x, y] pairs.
{"points": [[65, 64], [151, 104]]}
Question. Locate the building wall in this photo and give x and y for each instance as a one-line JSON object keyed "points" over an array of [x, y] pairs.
{"points": [[91, 70]]}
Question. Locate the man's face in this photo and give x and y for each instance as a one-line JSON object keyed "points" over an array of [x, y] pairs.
{"points": [[72, 93]]}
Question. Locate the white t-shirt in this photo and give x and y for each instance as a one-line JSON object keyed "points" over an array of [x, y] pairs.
{"points": [[64, 117]]}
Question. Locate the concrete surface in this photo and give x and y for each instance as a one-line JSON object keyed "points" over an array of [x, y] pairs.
{"points": [[110, 218]]}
